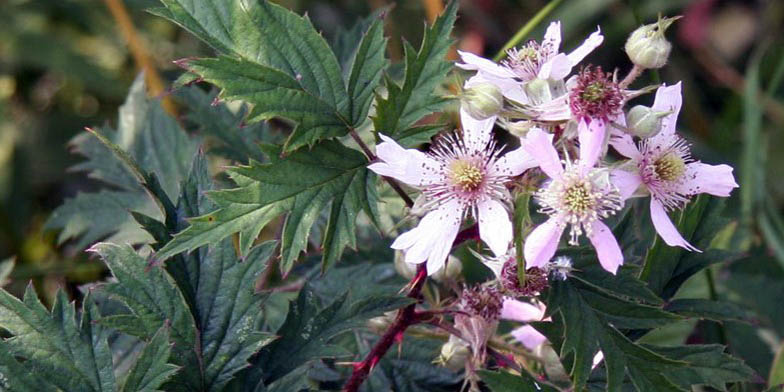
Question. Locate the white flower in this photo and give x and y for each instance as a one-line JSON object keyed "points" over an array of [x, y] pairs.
{"points": [[460, 176]]}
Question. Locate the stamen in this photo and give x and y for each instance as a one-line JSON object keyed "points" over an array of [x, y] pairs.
{"points": [[595, 95]]}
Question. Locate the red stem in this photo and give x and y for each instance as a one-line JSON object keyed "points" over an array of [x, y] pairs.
{"points": [[405, 318]]}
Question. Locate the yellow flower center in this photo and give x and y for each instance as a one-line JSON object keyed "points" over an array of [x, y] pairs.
{"points": [[669, 167], [528, 53], [578, 198], [465, 175]]}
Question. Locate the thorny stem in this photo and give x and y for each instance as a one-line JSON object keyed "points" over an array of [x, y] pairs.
{"points": [[405, 317], [635, 72], [372, 157]]}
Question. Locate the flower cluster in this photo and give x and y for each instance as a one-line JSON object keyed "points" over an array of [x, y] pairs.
{"points": [[566, 116]]}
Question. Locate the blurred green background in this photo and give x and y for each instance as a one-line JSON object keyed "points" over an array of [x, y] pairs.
{"points": [[66, 64]]}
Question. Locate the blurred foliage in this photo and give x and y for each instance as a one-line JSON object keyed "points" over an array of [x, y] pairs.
{"points": [[64, 65]]}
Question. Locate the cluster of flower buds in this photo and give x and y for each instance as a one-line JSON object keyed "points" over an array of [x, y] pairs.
{"points": [[567, 117]]}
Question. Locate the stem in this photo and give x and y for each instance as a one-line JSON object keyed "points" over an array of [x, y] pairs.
{"points": [[631, 76], [405, 318], [372, 157], [527, 28]]}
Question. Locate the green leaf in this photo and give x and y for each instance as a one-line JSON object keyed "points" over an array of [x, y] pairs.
{"points": [[154, 300], [151, 368], [508, 382], [366, 69], [409, 368], [158, 146], [278, 62], [707, 365], [301, 184], [589, 326], [308, 328], [425, 70], [238, 142], [667, 267], [777, 369], [72, 352], [707, 309], [6, 267], [21, 377]]}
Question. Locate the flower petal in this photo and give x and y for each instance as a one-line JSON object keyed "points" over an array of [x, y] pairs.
{"points": [[552, 37], [473, 62], [410, 166], [539, 145], [591, 137], [666, 229], [668, 98], [556, 68], [495, 227], [716, 180], [476, 133], [607, 248], [529, 337], [626, 182], [432, 239], [541, 244], [593, 41], [513, 163], [523, 312], [623, 142]]}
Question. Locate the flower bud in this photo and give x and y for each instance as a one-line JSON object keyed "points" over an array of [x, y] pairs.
{"points": [[450, 272], [538, 91], [647, 47], [406, 270], [454, 354], [644, 122], [380, 324], [482, 101], [518, 128]]}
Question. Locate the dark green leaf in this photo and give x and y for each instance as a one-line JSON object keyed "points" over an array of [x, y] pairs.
{"points": [[425, 70], [305, 334], [366, 69], [707, 365], [151, 368], [707, 309], [302, 184], [507, 382], [73, 353]]}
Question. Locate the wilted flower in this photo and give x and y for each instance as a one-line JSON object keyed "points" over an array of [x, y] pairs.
{"points": [[647, 47], [595, 96], [578, 195], [460, 176], [480, 309], [664, 167]]}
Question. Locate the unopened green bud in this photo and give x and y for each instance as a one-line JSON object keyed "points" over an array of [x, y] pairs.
{"points": [[538, 91], [644, 122], [406, 270], [380, 324], [454, 354], [647, 47], [518, 128], [451, 272], [482, 101]]}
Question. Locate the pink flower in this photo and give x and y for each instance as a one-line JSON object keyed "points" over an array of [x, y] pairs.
{"points": [[578, 195], [663, 166], [524, 312], [460, 176], [548, 100]]}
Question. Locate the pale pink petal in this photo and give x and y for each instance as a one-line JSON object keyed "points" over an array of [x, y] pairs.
{"points": [[432, 239], [591, 137], [668, 99], [528, 336], [556, 68], [552, 37], [523, 312], [539, 145], [622, 141], [541, 244], [607, 248], [716, 180], [495, 227], [597, 359], [473, 62], [666, 229], [411, 166], [593, 41], [476, 133], [627, 182], [513, 163], [556, 109]]}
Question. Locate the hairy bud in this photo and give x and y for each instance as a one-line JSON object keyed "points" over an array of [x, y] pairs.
{"points": [[482, 101], [644, 122], [454, 354], [647, 47]]}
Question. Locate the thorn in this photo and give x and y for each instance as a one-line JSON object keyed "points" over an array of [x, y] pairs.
{"points": [[183, 62], [215, 102]]}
